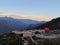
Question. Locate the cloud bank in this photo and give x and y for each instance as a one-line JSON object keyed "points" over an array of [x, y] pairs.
{"points": [[22, 16]]}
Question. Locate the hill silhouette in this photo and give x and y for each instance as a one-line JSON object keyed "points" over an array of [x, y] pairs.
{"points": [[53, 24]]}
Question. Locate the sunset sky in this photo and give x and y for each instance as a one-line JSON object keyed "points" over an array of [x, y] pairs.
{"points": [[30, 9]]}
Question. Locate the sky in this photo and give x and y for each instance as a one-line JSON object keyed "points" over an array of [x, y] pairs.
{"points": [[30, 9]]}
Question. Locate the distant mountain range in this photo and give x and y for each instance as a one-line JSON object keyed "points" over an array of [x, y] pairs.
{"points": [[53, 24], [8, 24]]}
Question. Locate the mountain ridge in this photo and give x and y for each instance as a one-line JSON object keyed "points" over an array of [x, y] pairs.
{"points": [[53, 24], [8, 24]]}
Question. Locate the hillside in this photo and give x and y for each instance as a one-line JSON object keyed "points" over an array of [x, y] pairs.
{"points": [[53, 24], [7, 24]]}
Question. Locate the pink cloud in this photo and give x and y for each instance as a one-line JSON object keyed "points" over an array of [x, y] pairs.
{"points": [[43, 18], [22, 16]]}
